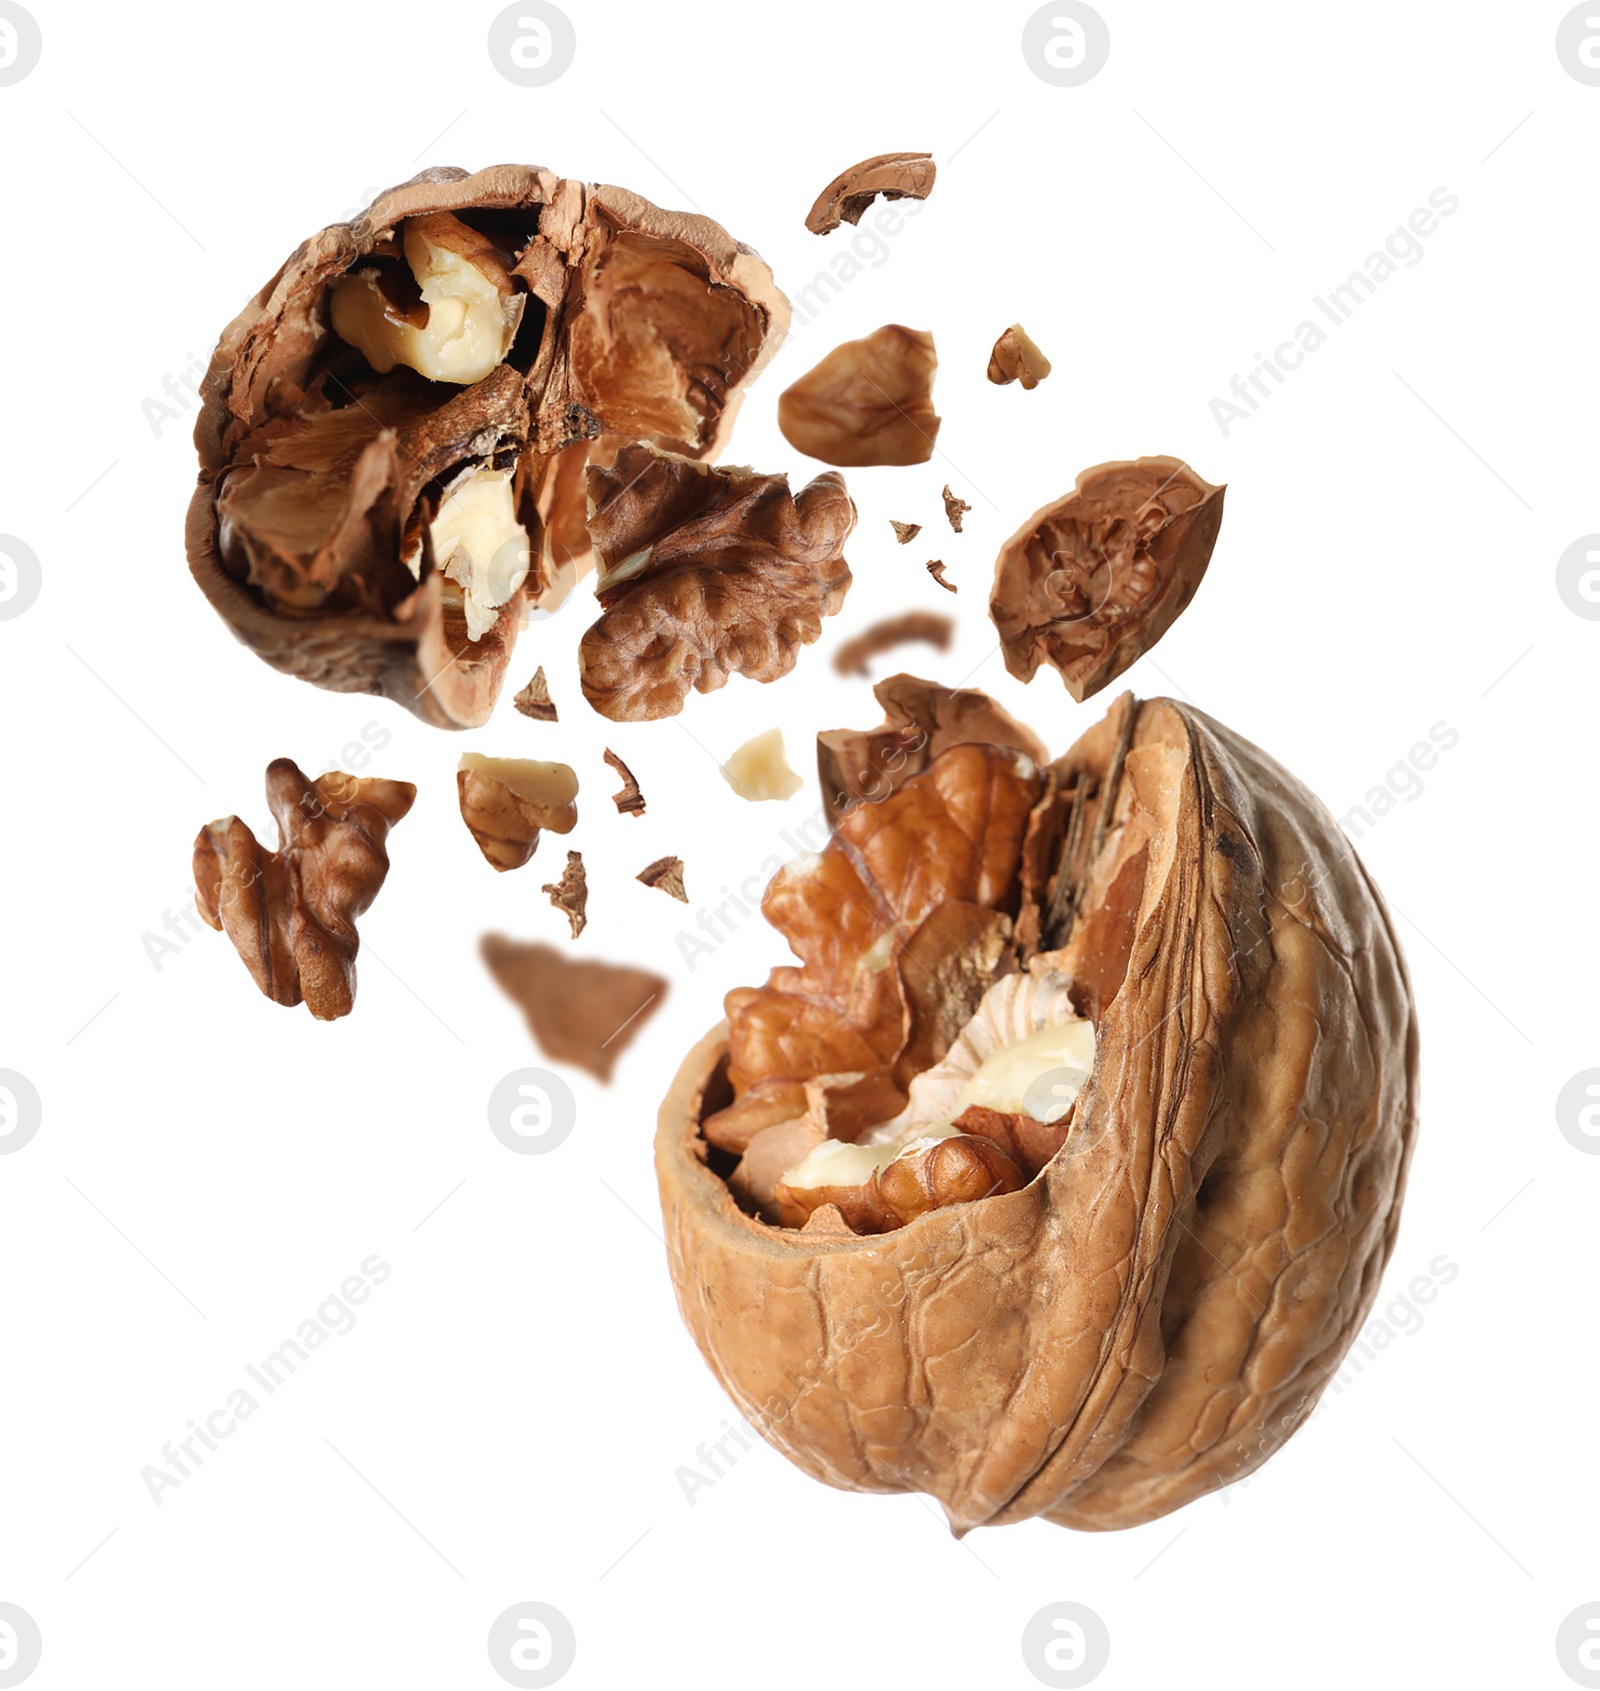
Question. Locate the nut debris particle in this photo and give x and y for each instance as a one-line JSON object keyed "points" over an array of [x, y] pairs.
{"points": [[1016, 359], [578, 1011], [955, 509], [896, 176], [630, 801], [759, 769], [667, 874], [868, 402], [570, 894], [534, 699], [853, 655], [506, 802], [936, 570], [905, 533]]}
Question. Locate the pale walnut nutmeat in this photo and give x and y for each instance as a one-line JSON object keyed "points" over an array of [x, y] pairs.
{"points": [[1154, 1311], [705, 573], [759, 769], [291, 913], [868, 402], [1093, 580], [394, 434], [506, 802], [1016, 359], [896, 176]]}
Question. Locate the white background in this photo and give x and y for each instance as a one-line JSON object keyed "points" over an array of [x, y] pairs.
{"points": [[507, 1419]]}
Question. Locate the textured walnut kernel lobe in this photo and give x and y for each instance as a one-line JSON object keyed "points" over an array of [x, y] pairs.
{"points": [[506, 802], [868, 402], [1016, 359], [759, 769], [896, 176]]}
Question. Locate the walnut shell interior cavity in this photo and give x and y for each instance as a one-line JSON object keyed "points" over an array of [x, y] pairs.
{"points": [[502, 330], [1154, 1313]]}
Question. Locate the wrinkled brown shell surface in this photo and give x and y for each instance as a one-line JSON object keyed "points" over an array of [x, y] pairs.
{"points": [[868, 402], [317, 477], [1155, 1314], [896, 176], [1091, 582], [705, 573]]}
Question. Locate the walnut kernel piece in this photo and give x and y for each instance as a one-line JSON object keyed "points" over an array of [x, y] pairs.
{"points": [[923, 720], [506, 801], [954, 509], [868, 402], [630, 801], [1157, 1310], [905, 533], [291, 912], [479, 545], [534, 700], [570, 895], [936, 570], [578, 1011], [704, 573], [1016, 359], [1092, 581], [759, 769], [853, 655], [667, 874], [469, 312], [896, 176]]}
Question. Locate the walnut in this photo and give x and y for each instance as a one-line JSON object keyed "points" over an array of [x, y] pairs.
{"points": [[923, 720], [896, 176], [905, 533], [630, 801], [936, 570], [1016, 359], [852, 656], [394, 433], [506, 802], [291, 913], [1091, 582], [570, 895], [580, 1012], [667, 874], [868, 402], [1217, 1014], [759, 769], [705, 573], [954, 509], [534, 700]]}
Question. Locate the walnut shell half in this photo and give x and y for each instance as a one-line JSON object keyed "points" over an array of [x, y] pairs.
{"points": [[326, 456], [1155, 1313]]}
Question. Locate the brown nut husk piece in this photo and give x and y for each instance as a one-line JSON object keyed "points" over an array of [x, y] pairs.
{"points": [[563, 320], [666, 873], [1016, 359], [896, 176], [705, 573], [506, 802], [291, 913], [570, 895], [630, 801], [534, 700], [922, 721], [1093, 580], [852, 657], [1154, 1314], [868, 402]]}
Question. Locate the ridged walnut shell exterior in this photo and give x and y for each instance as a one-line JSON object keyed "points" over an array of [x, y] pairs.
{"points": [[1124, 1334]]}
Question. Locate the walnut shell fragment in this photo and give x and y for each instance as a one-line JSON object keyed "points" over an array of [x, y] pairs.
{"points": [[581, 1012], [905, 533], [667, 874], [1092, 581], [705, 573], [852, 657], [1153, 1314], [534, 700], [507, 801], [630, 801], [570, 895], [1016, 359], [291, 913], [394, 432], [922, 721], [896, 176], [935, 568], [954, 509], [868, 402]]}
